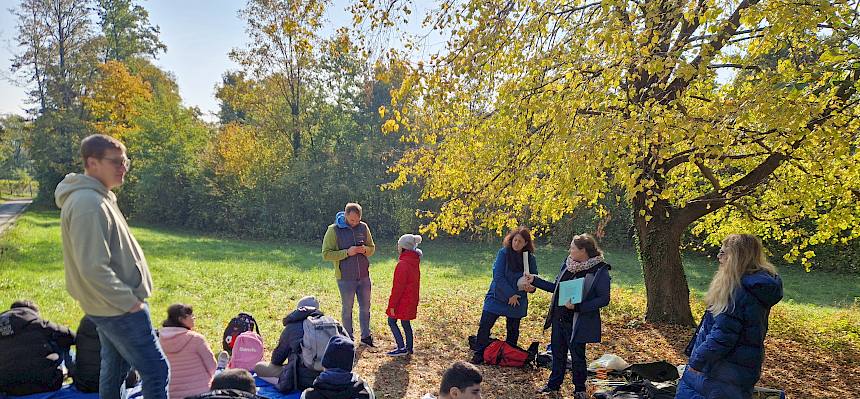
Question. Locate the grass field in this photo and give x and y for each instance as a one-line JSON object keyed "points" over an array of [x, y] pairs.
{"points": [[816, 327]]}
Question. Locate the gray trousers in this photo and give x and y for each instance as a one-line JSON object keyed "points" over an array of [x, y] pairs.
{"points": [[349, 290]]}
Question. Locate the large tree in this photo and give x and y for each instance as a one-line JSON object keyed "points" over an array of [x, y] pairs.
{"points": [[282, 50], [713, 115], [127, 31]]}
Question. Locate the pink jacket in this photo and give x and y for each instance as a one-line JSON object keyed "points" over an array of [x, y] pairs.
{"points": [[192, 363]]}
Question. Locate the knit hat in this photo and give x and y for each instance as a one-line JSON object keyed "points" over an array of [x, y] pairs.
{"points": [[308, 302], [409, 241], [339, 354]]}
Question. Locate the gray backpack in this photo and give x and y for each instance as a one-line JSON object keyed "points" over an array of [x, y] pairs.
{"points": [[318, 330]]}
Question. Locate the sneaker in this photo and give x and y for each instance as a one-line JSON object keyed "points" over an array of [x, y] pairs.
{"points": [[368, 340], [223, 359], [397, 352], [548, 390]]}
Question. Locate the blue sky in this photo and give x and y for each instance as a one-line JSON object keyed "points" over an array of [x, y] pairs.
{"points": [[198, 35]]}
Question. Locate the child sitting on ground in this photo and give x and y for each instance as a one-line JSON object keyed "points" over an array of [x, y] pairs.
{"points": [[338, 380], [461, 381], [403, 302]]}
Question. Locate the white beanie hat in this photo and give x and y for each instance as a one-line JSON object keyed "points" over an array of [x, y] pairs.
{"points": [[409, 241]]}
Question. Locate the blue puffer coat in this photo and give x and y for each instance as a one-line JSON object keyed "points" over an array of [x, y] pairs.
{"points": [[727, 350], [504, 286]]}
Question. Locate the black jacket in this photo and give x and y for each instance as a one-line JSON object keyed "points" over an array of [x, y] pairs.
{"points": [[295, 375], [25, 342], [226, 394], [343, 386], [87, 357]]}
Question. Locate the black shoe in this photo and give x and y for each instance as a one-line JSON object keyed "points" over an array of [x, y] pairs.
{"points": [[547, 389], [477, 358], [368, 340]]}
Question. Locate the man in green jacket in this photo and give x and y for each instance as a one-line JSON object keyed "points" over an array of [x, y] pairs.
{"points": [[348, 244], [106, 271]]}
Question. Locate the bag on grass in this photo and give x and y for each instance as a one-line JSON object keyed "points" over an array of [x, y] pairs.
{"points": [[318, 330], [247, 351], [638, 390], [237, 325], [501, 353], [654, 371]]}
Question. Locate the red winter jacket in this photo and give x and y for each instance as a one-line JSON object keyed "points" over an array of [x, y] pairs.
{"points": [[403, 302]]}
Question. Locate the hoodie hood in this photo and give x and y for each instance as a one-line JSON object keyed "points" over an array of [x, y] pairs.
{"points": [[340, 384], [76, 181], [174, 339], [340, 220], [766, 288], [301, 314]]}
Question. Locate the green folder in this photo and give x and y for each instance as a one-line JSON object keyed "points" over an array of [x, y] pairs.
{"points": [[570, 290]]}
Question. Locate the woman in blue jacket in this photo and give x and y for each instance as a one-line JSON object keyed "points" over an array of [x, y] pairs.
{"points": [[505, 297], [727, 350], [574, 325]]}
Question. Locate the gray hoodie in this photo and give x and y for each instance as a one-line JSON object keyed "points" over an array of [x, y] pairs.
{"points": [[106, 271]]}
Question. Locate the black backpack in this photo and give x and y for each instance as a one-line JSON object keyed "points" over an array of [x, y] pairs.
{"points": [[655, 371], [638, 390], [237, 325]]}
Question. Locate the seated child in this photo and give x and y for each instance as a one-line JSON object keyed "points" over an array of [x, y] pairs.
{"points": [[231, 384], [461, 381], [338, 380], [32, 351]]}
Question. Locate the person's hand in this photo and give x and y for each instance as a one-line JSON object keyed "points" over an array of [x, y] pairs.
{"points": [[391, 312], [569, 305], [529, 288], [529, 278], [514, 300], [362, 249], [353, 250], [136, 308]]}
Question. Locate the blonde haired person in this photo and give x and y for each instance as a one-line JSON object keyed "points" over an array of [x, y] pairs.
{"points": [[727, 351]]}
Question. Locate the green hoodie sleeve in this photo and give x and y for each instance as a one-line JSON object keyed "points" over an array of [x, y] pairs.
{"points": [[90, 241], [371, 247], [329, 247]]}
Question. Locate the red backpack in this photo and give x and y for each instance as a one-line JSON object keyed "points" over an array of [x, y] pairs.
{"points": [[501, 353]]}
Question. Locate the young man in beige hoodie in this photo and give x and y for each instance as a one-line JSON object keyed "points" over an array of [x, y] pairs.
{"points": [[106, 271]]}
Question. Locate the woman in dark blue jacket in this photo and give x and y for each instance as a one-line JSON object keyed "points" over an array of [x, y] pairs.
{"points": [[574, 325], [727, 351], [505, 297]]}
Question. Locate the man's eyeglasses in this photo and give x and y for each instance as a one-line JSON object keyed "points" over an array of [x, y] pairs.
{"points": [[119, 162]]}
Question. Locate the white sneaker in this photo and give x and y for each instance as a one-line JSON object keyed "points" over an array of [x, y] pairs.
{"points": [[223, 359]]}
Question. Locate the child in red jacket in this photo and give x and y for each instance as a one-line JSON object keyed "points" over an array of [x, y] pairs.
{"points": [[403, 302]]}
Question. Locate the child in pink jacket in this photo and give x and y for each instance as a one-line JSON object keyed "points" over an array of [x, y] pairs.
{"points": [[192, 363]]}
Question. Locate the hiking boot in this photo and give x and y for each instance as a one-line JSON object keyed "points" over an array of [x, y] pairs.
{"points": [[398, 352], [368, 341], [477, 358], [223, 359]]}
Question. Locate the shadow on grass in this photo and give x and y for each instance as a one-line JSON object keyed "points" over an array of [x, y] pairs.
{"points": [[392, 378]]}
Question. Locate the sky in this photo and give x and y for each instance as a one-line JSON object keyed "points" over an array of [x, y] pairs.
{"points": [[198, 34]]}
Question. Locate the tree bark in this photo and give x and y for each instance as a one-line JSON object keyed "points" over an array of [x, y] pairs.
{"points": [[659, 244]]}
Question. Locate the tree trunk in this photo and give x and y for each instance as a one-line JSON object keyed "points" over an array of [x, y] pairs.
{"points": [[666, 287]]}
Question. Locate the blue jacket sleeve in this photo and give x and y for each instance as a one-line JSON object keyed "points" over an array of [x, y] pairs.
{"points": [[601, 290], [503, 288], [721, 339]]}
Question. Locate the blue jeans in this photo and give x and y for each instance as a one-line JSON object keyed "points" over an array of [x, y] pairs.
{"points": [[349, 290], [398, 338], [127, 341]]}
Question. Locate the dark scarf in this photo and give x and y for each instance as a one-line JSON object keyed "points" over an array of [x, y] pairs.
{"points": [[515, 260]]}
